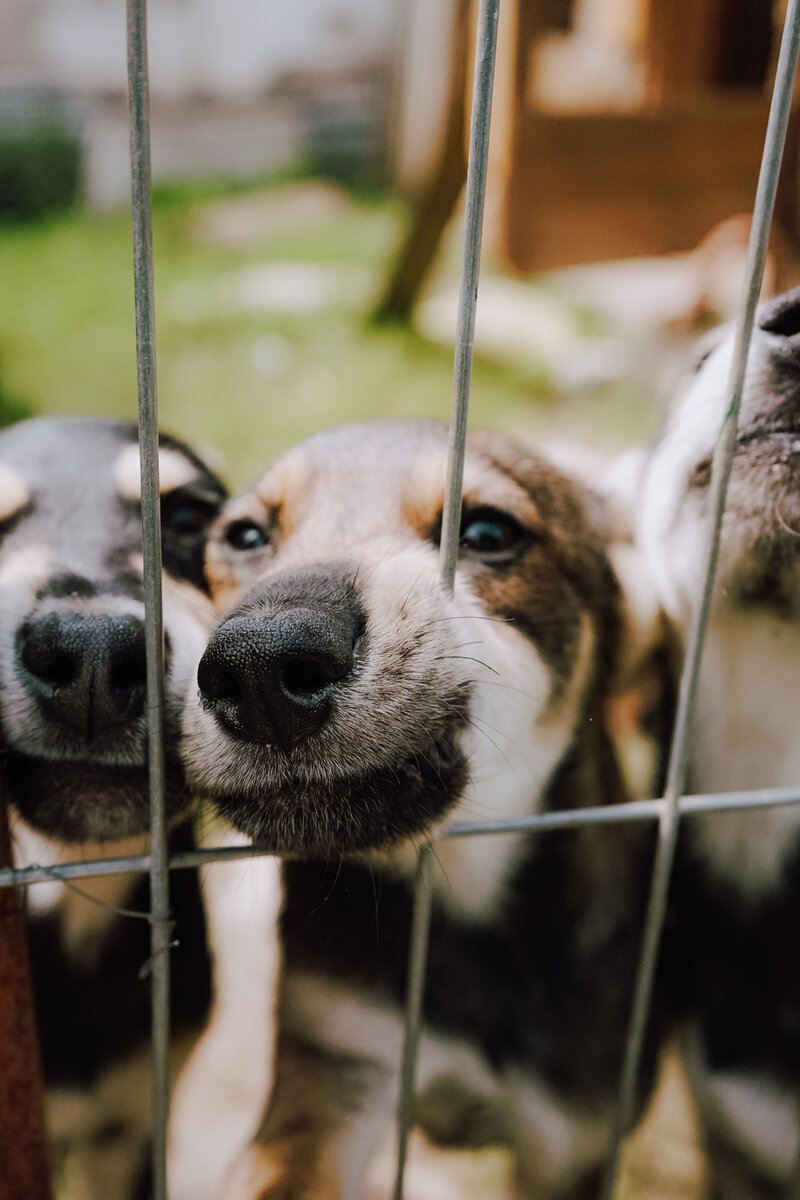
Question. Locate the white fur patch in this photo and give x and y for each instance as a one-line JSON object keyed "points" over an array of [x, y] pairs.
{"points": [[14, 491], [30, 565], [344, 1020], [747, 737], [758, 1117], [512, 745], [86, 917], [173, 472], [746, 727], [556, 1143]]}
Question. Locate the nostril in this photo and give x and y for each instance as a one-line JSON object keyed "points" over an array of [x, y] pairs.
{"points": [[303, 678], [48, 665], [782, 317], [218, 683], [129, 674]]}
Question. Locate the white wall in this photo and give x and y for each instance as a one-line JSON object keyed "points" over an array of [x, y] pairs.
{"points": [[222, 47]]}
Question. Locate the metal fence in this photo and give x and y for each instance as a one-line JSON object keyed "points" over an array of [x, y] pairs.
{"points": [[667, 811]]}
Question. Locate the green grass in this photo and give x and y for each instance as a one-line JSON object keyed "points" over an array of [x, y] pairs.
{"points": [[249, 380]]}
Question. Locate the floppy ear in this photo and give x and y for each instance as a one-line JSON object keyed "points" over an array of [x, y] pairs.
{"points": [[642, 697], [645, 629]]}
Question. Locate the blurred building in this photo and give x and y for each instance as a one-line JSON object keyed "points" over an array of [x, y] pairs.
{"points": [[239, 87]]}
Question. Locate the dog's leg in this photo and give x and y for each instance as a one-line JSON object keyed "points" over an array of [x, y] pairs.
{"points": [[731, 1179], [219, 1098], [750, 1125], [327, 1115], [560, 1148], [750, 1139], [534, 1181]]}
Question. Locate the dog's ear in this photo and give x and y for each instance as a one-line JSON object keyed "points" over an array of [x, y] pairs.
{"points": [[645, 629], [640, 703]]}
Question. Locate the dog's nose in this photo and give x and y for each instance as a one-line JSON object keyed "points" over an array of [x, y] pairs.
{"points": [[86, 671], [781, 316], [274, 677]]}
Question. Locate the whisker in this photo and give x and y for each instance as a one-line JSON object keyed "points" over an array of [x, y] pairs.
{"points": [[784, 524], [466, 658]]}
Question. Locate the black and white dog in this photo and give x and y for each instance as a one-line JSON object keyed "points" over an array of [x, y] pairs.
{"points": [[729, 964], [74, 759], [348, 708]]}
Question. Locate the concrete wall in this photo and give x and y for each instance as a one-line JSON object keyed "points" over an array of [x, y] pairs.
{"points": [[227, 48]]}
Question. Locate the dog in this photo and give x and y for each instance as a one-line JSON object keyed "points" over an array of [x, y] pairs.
{"points": [[74, 761], [348, 709], [727, 969]]}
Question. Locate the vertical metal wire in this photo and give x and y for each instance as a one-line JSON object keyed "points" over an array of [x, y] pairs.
{"points": [[139, 114], [483, 80], [721, 469]]}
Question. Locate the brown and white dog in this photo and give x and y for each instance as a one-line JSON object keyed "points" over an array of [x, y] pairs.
{"points": [[348, 709], [74, 761], [728, 963]]}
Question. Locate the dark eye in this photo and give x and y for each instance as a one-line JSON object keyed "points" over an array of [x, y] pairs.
{"points": [[186, 518], [490, 534], [246, 535]]}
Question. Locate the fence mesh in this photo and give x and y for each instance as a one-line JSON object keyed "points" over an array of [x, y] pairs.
{"points": [[667, 811]]}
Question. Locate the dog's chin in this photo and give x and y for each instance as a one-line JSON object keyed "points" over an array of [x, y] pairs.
{"points": [[83, 802], [373, 811]]}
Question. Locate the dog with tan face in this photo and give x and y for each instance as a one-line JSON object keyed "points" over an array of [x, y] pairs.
{"points": [[729, 965], [348, 709]]}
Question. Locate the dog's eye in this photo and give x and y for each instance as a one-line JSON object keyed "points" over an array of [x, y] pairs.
{"points": [[246, 535], [186, 518], [489, 534]]}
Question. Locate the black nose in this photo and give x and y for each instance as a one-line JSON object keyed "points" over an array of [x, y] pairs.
{"points": [[86, 671], [781, 316], [274, 677]]}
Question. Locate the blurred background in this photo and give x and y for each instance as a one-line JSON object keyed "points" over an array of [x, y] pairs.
{"points": [[308, 164]]}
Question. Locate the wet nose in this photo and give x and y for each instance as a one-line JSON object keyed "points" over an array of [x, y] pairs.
{"points": [[274, 677], [86, 671], [781, 316]]}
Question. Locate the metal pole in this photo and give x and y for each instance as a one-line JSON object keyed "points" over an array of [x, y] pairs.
{"points": [[24, 1167], [139, 113], [721, 468], [483, 80], [420, 931]]}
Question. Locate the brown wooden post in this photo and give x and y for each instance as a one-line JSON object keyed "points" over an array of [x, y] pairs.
{"points": [[24, 1167], [435, 205]]}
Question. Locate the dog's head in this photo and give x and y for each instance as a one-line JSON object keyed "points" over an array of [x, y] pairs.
{"points": [[72, 659], [347, 702], [758, 560]]}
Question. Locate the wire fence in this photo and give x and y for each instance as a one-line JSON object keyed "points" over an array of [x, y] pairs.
{"points": [[667, 810]]}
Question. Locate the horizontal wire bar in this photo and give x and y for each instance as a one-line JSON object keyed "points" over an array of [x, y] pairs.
{"points": [[610, 814]]}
